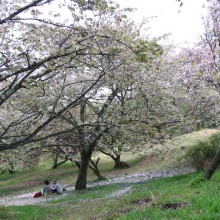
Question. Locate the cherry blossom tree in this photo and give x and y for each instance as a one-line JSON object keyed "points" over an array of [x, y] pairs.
{"points": [[35, 51], [50, 67], [91, 75], [212, 42]]}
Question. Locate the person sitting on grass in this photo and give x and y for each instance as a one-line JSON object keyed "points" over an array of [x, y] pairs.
{"points": [[56, 188], [47, 189]]}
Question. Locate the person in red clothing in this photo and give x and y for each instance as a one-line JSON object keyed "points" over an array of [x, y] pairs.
{"points": [[47, 190]]}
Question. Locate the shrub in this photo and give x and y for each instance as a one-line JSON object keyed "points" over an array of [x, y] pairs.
{"points": [[203, 151]]}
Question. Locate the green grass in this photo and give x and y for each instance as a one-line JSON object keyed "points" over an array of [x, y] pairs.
{"points": [[96, 192], [200, 200]]}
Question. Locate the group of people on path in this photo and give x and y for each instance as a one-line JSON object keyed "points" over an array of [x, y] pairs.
{"points": [[48, 189], [54, 189]]}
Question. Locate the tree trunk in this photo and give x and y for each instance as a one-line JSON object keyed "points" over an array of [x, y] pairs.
{"points": [[77, 164], [82, 177], [55, 162], [58, 164], [87, 154], [11, 168], [213, 165], [117, 161], [95, 169], [120, 164]]}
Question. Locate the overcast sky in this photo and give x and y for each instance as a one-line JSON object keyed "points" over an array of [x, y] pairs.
{"points": [[185, 23]]}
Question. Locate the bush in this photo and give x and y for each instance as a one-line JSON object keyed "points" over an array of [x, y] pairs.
{"points": [[203, 151]]}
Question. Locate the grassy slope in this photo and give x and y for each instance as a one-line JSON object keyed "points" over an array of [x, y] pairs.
{"points": [[144, 201]]}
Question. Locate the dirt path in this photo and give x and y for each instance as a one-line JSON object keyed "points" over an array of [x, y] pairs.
{"points": [[126, 182]]}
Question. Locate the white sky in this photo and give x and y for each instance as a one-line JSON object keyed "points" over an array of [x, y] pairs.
{"points": [[185, 23]]}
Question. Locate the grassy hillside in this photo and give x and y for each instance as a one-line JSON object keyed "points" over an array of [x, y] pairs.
{"points": [[179, 197]]}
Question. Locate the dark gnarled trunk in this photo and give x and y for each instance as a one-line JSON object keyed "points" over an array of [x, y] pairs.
{"points": [[95, 169], [82, 177], [213, 165], [117, 160], [55, 162], [86, 151], [120, 164]]}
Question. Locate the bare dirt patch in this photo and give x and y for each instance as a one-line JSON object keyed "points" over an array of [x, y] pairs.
{"points": [[173, 206]]}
